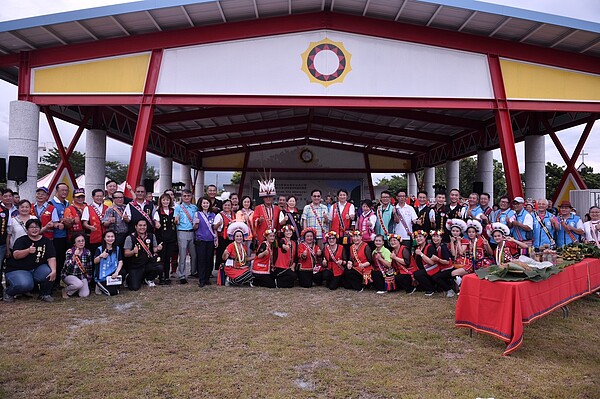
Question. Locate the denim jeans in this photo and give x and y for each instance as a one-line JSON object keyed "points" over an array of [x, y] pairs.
{"points": [[22, 281]]}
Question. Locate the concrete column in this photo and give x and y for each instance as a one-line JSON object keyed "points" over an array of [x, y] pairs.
{"points": [[199, 191], [23, 140], [485, 172], [452, 176], [165, 179], [429, 181], [185, 176], [535, 167], [95, 161], [411, 186]]}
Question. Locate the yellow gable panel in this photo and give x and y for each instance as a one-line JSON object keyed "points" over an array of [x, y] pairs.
{"points": [[109, 75], [224, 161], [537, 82], [387, 163]]}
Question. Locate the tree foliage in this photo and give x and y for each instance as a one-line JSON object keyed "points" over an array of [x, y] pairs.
{"points": [[554, 173], [591, 179], [236, 178], [116, 171], [394, 183], [50, 162]]}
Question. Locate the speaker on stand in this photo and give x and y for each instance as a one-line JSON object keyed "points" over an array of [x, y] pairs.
{"points": [[17, 169], [2, 170]]}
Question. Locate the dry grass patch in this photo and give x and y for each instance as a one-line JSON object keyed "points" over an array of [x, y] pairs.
{"points": [[217, 342]]}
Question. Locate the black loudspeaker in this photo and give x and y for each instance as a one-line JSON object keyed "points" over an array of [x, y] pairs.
{"points": [[149, 185], [478, 187], [2, 170], [17, 169]]}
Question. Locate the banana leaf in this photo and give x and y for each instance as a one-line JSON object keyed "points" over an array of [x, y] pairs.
{"points": [[496, 273]]}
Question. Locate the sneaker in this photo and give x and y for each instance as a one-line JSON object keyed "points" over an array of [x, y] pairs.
{"points": [[150, 283], [8, 298], [361, 290], [64, 293], [381, 292], [227, 281], [183, 281], [450, 294], [97, 290], [251, 285], [458, 280], [412, 291], [429, 293], [47, 298]]}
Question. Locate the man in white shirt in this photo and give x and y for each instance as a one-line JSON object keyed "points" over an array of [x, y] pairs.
{"points": [[404, 216]]}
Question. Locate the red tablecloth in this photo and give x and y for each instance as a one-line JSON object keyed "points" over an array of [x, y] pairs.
{"points": [[502, 308]]}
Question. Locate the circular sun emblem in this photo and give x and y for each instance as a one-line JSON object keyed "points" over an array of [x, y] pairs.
{"points": [[326, 62]]}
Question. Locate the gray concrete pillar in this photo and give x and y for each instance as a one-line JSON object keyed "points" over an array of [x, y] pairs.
{"points": [[429, 181], [535, 167], [485, 172], [95, 161], [165, 179], [199, 189], [452, 176], [23, 140], [185, 176], [411, 184]]}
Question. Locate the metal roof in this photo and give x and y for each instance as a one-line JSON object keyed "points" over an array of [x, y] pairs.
{"points": [[128, 19]]}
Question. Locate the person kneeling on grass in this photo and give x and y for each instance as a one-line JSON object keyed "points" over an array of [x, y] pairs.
{"points": [[33, 261], [359, 269], [237, 261], [403, 263], [442, 256], [264, 263], [333, 261], [108, 261], [141, 249], [286, 258], [309, 257], [77, 271], [383, 272], [475, 254]]}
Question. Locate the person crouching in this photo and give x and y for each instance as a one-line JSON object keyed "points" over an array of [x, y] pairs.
{"points": [[141, 249]]}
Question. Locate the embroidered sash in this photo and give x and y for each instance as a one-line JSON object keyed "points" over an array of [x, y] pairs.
{"points": [[144, 246], [143, 212], [541, 222], [314, 211], [380, 217]]}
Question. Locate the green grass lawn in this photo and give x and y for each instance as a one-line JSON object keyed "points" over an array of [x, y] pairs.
{"points": [[225, 342]]}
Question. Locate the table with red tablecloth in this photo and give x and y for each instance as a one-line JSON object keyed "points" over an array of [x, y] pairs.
{"points": [[502, 308]]}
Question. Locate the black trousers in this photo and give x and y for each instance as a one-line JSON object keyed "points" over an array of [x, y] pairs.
{"points": [[443, 279], [335, 282], [264, 280], [60, 247], [169, 248], [285, 278], [137, 274], [405, 282], [322, 276], [119, 240], [305, 278], [205, 251], [378, 281], [425, 280], [353, 280]]}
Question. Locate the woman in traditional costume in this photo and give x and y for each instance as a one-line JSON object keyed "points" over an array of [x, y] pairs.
{"points": [[309, 257], [366, 223], [507, 247], [264, 264], [289, 215], [384, 274], [358, 275], [237, 261], [477, 253], [245, 215], [166, 233], [440, 254], [221, 223], [403, 263], [426, 266], [334, 262], [286, 258]]}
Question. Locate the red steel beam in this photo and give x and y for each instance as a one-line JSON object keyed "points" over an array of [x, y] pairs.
{"points": [[243, 177], [24, 89], [505, 132], [143, 128], [424, 116]]}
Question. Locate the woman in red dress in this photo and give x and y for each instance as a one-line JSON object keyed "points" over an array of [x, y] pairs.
{"points": [[358, 275], [286, 258], [334, 262], [508, 247], [404, 264], [309, 258], [237, 261]]}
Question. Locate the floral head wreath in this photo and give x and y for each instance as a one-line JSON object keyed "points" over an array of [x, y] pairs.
{"points": [[269, 231], [355, 233], [331, 234], [436, 233], [420, 232], [287, 227], [396, 236], [306, 230]]}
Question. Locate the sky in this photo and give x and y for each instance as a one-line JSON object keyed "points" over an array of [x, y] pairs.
{"points": [[15, 9]]}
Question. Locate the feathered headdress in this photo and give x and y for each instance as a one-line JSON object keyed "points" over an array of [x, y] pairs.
{"points": [[266, 185]]}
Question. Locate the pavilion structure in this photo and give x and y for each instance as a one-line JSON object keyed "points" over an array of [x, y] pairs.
{"points": [[306, 88]]}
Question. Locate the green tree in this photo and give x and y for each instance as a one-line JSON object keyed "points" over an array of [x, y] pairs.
{"points": [[116, 171], [151, 172], [591, 179], [50, 162], [554, 174], [499, 180], [394, 183], [236, 178]]}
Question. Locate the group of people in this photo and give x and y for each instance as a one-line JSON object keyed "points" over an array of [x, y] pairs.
{"points": [[115, 241]]}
